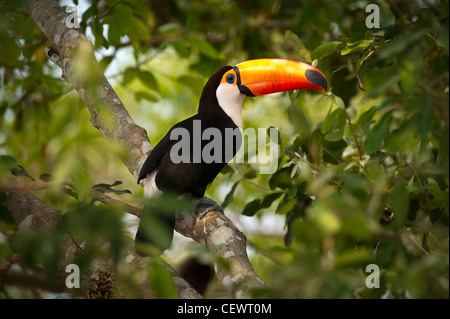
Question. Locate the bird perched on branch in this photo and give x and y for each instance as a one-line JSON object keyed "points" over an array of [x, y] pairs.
{"points": [[182, 162]]}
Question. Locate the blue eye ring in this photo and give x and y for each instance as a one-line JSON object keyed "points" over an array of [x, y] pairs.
{"points": [[231, 78]]}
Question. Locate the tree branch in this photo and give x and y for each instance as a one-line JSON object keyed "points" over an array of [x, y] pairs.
{"points": [[34, 216], [73, 52], [210, 227]]}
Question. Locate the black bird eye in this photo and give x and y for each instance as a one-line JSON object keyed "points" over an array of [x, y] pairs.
{"points": [[230, 78]]}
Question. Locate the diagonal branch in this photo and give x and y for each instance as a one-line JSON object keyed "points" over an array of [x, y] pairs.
{"points": [[73, 52]]}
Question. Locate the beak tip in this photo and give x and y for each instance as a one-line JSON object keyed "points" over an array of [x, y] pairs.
{"points": [[317, 78]]}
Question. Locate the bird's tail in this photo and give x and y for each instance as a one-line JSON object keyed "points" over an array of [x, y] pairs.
{"points": [[155, 232]]}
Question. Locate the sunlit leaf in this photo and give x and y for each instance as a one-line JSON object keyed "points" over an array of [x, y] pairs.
{"points": [[357, 46], [203, 46], [326, 49]]}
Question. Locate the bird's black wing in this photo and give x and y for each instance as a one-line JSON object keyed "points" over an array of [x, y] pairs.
{"points": [[154, 156], [160, 149]]}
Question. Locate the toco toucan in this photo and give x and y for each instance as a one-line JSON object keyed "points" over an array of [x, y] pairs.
{"points": [[220, 110]]}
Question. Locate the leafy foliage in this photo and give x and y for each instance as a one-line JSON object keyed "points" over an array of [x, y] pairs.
{"points": [[362, 173]]}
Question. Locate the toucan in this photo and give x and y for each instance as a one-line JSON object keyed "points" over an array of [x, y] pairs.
{"points": [[219, 110]]}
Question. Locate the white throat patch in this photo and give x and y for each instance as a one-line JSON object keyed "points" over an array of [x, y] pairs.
{"points": [[230, 100]]}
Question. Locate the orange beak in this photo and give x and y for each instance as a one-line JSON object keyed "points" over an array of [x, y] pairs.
{"points": [[265, 76]]}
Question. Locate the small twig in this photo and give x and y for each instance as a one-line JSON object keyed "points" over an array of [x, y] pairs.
{"points": [[297, 155], [16, 186], [102, 197], [415, 243], [354, 137], [243, 178]]}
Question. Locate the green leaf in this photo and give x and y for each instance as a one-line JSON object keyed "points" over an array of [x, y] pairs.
{"points": [[161, 281], [278, 140], [7, 223], [402, 43], [329, 122], [286, 207], [378, 133], [148, 79], [202, 45], [139, 32], [315, 149], [180, 47], [169, 29], [70, 191], [251, 173], [326, 49], [123, 16], [9, 49], [129, 75], [251, 208], [20, 171], [46, 177], [257, 204], [269, 199], [401, 139], [7, 162], [296, 114], [337, 131], [399, 196], [229, 197], [145, 95], [297, 44], [366, 117], [108, 188], [358, 45], [281, 178], [411, 70]]}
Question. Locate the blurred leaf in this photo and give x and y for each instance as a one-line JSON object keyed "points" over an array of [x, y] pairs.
{"points": [[229, 197], [400, 204], [366, 117], [411, 70], [108, 188], [281, 178], [357, 46], [279, 140], [70, 191], [180, 47], [315, 148], [7, 223], [161, 281], [378, 132], [148, 79], [326, 49], [252, 207], [297, 44], [203, 46], [145, 95], [256, 205], [286, 207], [402, 43], [129, 75], [296, 114], [123, 17], [333, 126], [20, 171], [400, 140], [140, 33], [47, 177], [8, 163], [169, 29]]}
